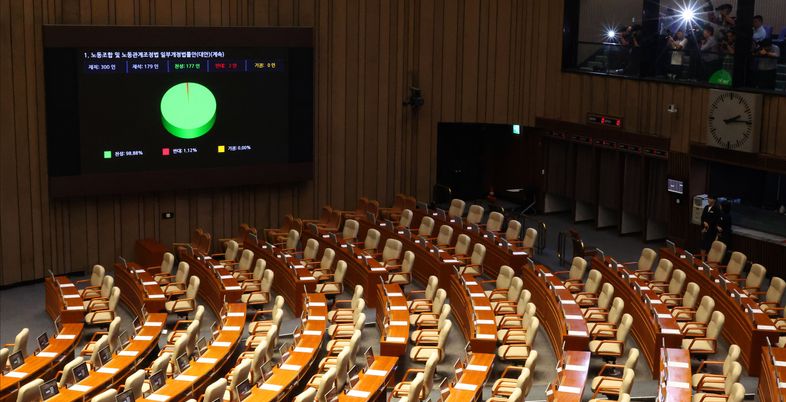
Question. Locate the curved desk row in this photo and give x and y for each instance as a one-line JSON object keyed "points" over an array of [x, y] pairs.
{"points": [[675, 375], [63, 300], [290, 283], [772, 381], [285, 377], [653, 324], [571, 378], [746, 325], [372, 382], [44, 364], [559, 314], [214, 360], [216, 283], [123, 363], [393, 319], [138, 288], [469, 384]]}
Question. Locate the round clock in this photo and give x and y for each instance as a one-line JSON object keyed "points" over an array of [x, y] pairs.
{"points": [[733, 120]]}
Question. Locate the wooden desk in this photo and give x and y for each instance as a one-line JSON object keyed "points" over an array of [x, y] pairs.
{"points": [[469, 386], [63, 300], [675, 376], [747, 330], [138, 288], [372, 383], [559, 314], [652, 326], [394, 318], [122, 365], [571, 377], [772, 381], [284, 379], [288, 282], [212, 288], [214, 360], [60, 351]]}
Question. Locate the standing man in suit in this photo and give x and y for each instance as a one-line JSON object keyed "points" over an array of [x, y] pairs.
{"points": [[709, 225]]}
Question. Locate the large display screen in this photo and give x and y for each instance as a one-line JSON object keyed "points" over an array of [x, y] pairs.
{"points": [[144, 108]]}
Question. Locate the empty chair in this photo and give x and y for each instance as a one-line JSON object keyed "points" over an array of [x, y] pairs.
{"points": [[106, 313], [630, 363], [503, 281], [410, 387], [734, 393], [103, 293], [698, 320], [336, 345], [433, 312], [422, 353], [258, 323], [524, 311], [345, 331], [426, 227], [601, 304], [513, 231], [752, 282], [475, 214], [506, 385], [311, 250], [307, 395], [475, 266], [704, 382], [608, 385], [662, 272], [428, 333], [588, 295], [327, 383], [291, 243], [402, 274], [716, 253], [613, 348], [216, 390], [93, 284], [258, 359], [350, 232], [184, 305], [250, 280], [261, 328], [515, 396], [495, 221], [238, 374], [575, 274], [456, 209], [391, 253], [688, 303], [102, 342], [340, 364], [20, 342], [344, 314], [177, 284], [606, 328], [406, 219], [30, 391], [113, 333], [106, 396], [772, 297], [324, 266], [511, 334], [671, 295], [520, 350], [260, 297], [733, 269], [231, 250], [444, 236], [706, 344], [646, 261], [333, 284], [67, 375], [423, 304], [371, 242], [134, 383], [504, 301], [461, 249], [161, 363]]}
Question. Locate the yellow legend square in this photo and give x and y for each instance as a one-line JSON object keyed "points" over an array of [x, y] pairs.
{"points": [[222, 149]]}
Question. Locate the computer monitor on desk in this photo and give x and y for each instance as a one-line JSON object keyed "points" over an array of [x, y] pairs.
{"points": [[49, 389]]}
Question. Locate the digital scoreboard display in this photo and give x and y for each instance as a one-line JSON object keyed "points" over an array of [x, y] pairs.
{"points": [[164, 108]]}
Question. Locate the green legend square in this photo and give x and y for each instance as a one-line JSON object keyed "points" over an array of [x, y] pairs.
{"points": [[107, 154]]}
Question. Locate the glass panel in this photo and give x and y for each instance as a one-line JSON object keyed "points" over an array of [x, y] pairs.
{"points": [[610, 36]]}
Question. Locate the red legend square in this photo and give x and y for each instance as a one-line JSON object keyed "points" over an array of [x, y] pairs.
{"points": [[165, 151]]}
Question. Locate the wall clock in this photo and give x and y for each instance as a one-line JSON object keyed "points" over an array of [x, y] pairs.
{"points": [[734, 120]]}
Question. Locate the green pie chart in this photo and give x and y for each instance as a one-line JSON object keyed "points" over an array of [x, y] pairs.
{"points": [[188, 110]]}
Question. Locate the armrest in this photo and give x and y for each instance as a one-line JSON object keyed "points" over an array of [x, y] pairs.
{"points": [[714, 396], [609, 365], [709, 378], [412, 372], [709, 363], [512, 332]]}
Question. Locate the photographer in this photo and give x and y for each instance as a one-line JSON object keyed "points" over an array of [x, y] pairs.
{"points": [[677, 44]]}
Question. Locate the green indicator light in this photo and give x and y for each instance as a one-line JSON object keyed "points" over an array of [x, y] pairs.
{"points": [[107, 154], [188, 110]]}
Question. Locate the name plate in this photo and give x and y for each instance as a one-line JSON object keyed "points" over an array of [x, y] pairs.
{"points": [[316, 318], [766, 327], [143, 338], [678, 384], [779, 363], [46, 354], [358, 393], [80, 388], [150, 283], [682, 365], [186, 378], [483, 308], [208, 360], [70, 296], [107, 370], [230, 328], [485, 336], [575, 367], [398, 308], [235, 314], [316, 333], [452, 261], [377, 373], [290, 367], [573, 317], [477, 295], [569, 390], [399, 324], [75, 308], [316, 304], [664, 315], [782, 384], [130, 353], [567, 301], [519, 253], [232, 287], [227, 276], [153, 324], [301, 349], [65, 336], [395, 339], [16, 374], [670, 331], [156, 296], [377, 269], [139, 271], [577, 333], [395, 294], [222, 344], [270, 387], [484, 322], [465, 387], [66, 285], [307, 278], [157, 397]]}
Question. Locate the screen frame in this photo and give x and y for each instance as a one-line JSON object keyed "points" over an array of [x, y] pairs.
{"points": [[82, 36], [49, 384]]}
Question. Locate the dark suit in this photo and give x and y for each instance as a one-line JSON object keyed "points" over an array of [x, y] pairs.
{"points": [[709, 216]]}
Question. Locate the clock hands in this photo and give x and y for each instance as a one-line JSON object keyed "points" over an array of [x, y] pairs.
{"points": [[736, 119]]}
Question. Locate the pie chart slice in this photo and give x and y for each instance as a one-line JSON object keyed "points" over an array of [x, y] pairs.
{"points": [[188, 110]]}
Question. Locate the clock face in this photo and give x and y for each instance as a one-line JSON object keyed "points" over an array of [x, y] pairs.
{"points": [[731, 121]]}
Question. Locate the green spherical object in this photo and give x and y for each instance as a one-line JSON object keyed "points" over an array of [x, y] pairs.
{"points": [[188, 110], [721, 77]]}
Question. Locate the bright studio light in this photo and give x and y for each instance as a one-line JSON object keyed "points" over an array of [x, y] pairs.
{"points": [[687, 14], [611, 34]]}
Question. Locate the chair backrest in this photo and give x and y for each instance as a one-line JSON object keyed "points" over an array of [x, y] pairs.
{"points": [[191, 336], [647, 259], [606, 295], [230, 253], [445, 234], [456, 208], [593, 281], [106, 286], [360, 321], [515, 289], [392, 250], [775, 291], [532, 361], [406, 218], [240, 373], [717, 251], [633, 358], [357, 295], [308, 395], [443, 336], [515, 396], [267, 280], [426, 226], [341, 270], [342, 367], [615, 313], [504, 277], [624, 328], [628, 376], [736, 263], [494, 223], [716, 324], [691, 296], [246, 258], [20, 341], [258, 360], [737, 393], [292, 239], [408, 262], [755, 276], [167, 263], [182, 272], [443, 317], [135, 382], [326, 263], [68, 372], [106, 396], [514, 230], [731, 356], [429, 371], [462, 245], [97, 347], [354, 344], [161, 362], [677, 282], [3, 358], [530, 237], [372, 239], [259, 269], [29, 392], [113, 333], [732, 377], [663, 271], [431, 287], [705, 310], [215, 390], [351, 228], [271, 338], [532, 331], [311, 250], [193, 287], [97, 276], [327, 383], [114, 298], [577, 268], [181, 346], [524, 302], [478, 254]]}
